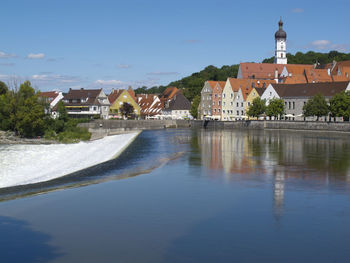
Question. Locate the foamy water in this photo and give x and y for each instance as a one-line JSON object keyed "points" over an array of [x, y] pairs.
{"points": [[26, 164]]}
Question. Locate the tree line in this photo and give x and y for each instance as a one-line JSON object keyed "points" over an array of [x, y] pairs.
{"points": [[337, 106], [27, 114]]}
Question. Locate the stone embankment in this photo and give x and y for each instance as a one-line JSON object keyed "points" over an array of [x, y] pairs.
{"points": [[101, 128]]}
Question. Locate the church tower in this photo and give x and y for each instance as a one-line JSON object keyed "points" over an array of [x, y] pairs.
{"points": [[281, 47]]}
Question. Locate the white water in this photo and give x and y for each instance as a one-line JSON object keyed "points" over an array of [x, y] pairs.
{"points": [[26, 164]]}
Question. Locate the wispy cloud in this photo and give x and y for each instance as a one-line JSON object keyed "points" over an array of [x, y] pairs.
{"points": [[161, 73], [298, 10], [7, 64], [7, 55], [192, 41], [36, 56], [123, 66], [328, 45], [56, 79], [111, 82]]}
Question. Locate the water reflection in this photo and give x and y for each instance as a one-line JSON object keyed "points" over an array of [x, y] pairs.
{"points": [[287, 159], [20, 243]]}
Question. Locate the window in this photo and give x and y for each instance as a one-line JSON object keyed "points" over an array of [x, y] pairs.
{"points": [[218, 110], [124, 96], [224, 103], [270, 93], [242, 112], [289, 105], [293, 105], [219, 95], [223, 111], [231, 103], [219, 102], [215, 96], [242, 104], [215, 110], [237, 113], [213, 103], [95, 108], [248, 103], [224, 95], [231, 95], [237, 104]]}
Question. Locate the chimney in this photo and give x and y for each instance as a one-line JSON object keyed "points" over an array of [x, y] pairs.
{"points": [[276, 73]]}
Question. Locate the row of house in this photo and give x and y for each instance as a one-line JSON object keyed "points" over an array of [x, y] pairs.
{"points": [[88, 103], [230, 100]]}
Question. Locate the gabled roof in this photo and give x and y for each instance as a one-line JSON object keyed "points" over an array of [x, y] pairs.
{"points": [[150, 104], [260, 91], [132, 93], [221, 83], [260, 70], [49, 94], [115, 95], [327, 89], [317, 75], [179, 102], [169, 92], [74, 94], [294, 79], [297, 69]]}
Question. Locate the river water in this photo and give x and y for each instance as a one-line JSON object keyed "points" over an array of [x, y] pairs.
{"points": [[191, 196]]}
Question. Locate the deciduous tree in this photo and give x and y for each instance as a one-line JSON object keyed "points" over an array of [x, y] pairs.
{"points": [[257, 108], [275, 108], [316, 106]]}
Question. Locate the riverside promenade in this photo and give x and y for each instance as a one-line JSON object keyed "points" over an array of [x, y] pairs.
{"points": [[101, 128]]}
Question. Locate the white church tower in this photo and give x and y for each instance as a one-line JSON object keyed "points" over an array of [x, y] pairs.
{"points": [[281, 47]]}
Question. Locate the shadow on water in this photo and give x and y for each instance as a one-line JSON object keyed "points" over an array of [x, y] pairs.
{"points": [[20, 243], [136, 160]]}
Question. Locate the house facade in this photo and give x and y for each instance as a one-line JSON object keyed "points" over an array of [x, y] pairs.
{"points": [[205, 107], [295, 96], [217, 100], [86, 103], [117, 98], [178, 108]]}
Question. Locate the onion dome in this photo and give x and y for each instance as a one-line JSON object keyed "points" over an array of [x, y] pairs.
{"points": [[280, 33]]}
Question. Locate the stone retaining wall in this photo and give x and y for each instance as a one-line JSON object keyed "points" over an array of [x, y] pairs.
{"points": [[101, 128]]}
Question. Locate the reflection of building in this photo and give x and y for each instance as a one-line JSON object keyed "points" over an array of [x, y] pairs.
{"points": [[278, 195]]}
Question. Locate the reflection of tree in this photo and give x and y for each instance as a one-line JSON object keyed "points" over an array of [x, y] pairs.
{"points": [[326, 155]]}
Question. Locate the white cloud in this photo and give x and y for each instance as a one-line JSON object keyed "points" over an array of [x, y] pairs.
{"points": [[112, 82], [160, 73], [7, 55], [124, 66], [36, 56], [55, 79], [328, 45], [298, 10]]}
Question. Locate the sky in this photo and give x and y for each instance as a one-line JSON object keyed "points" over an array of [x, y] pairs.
{"points": [[65, 44]]}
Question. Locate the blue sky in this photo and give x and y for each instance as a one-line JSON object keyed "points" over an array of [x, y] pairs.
{"points": [[112, 44]]}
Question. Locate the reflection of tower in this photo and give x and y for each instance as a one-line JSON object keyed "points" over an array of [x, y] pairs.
{"points": [[279, 193]]}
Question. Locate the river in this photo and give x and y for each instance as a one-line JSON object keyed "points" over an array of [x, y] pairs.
{"points": [[191, 196]]}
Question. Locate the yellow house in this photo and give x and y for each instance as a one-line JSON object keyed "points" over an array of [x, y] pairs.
{"points": [[254, 93], [117, 99]]}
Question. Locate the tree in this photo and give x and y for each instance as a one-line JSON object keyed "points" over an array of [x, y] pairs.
{"points": [[126, 109], [316, 106], [275, 108], [339, 105], [257, 108], [194, 106], [3, 88]]}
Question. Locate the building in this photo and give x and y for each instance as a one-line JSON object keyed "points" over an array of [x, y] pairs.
{"points": [[52, 97], [117, 98], [260, 71], [150, 105], [167, 95], [295, 96], [178, 108], [87, 103], [217, 99], [280, 45], [254, 93], [205, 106]]}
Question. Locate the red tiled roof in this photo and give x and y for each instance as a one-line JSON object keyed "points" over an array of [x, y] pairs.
{"points": [[260, 70], [49, 94], [114, 95]]}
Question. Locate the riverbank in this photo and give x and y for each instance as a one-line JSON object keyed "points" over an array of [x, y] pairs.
{"points": [[8, 137], [108, 127], [28, 164]]}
